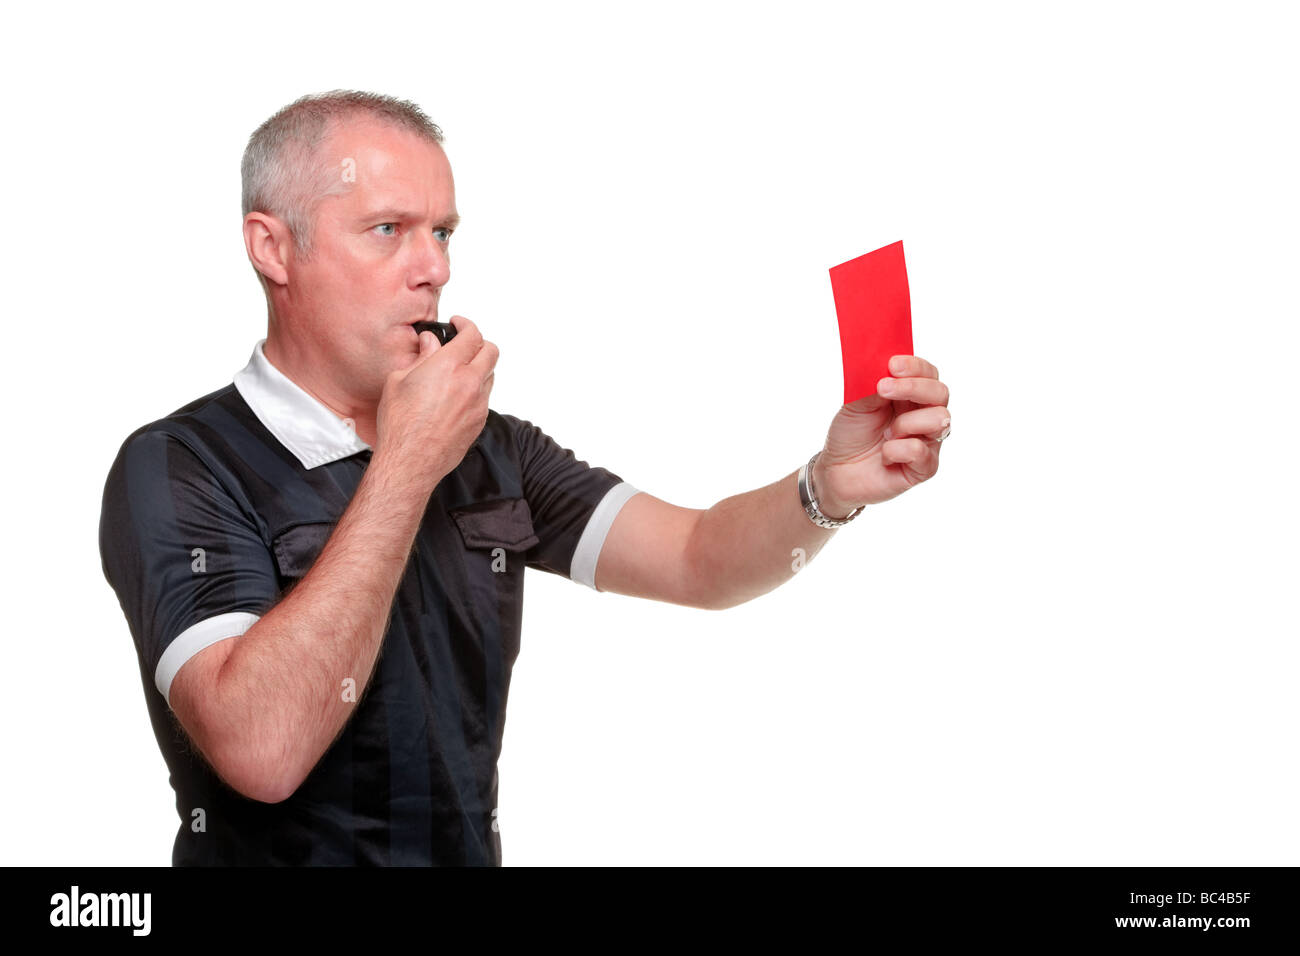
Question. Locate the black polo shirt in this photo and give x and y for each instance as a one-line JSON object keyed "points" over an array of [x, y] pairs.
{"points": [[212, 512]]}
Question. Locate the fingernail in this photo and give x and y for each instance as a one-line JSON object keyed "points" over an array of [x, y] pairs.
{"points": [[884, 385]]}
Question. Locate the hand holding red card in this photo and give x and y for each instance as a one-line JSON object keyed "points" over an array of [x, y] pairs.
{"points": [[885, 438]]}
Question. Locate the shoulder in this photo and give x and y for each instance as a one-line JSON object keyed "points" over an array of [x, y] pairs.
{"points": [[521, 431], [181, 424], [509, 430], [179, 443], [503, 422], [207, 427]]}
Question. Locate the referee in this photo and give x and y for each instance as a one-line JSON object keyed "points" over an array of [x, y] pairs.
{"points": [[322, 563]]}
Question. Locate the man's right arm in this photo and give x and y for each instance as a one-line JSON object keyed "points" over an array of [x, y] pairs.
{"points": [[265, 706]]}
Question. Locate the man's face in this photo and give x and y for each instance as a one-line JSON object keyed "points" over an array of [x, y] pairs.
{"points": [[379, 256]]}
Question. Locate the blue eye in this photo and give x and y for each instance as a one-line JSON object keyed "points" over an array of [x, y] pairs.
{"points": [[447, 231], [385, 225]]}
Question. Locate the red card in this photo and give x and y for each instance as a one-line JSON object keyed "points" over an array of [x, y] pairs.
{"points": [[875, 314]]}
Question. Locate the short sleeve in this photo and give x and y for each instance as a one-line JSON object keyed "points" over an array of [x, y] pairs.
{"points": [[187, 562], [573, 504]]}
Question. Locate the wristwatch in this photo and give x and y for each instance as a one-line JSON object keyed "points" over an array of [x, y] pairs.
{"points": [[809, 498]]}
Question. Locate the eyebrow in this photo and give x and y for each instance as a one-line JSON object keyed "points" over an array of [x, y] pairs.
{"points": [[394, 214]]}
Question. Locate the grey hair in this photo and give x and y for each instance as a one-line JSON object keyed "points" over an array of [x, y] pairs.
{"points": [[282, 171]]}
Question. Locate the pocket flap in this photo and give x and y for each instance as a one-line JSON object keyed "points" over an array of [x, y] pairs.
{"points": [[297, 548], [505, 523]]}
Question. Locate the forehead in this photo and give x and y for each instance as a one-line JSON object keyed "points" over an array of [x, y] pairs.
{"points": [[381, 163]]}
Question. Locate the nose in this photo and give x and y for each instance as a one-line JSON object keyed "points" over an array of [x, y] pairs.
{"points": [[432, 265]]}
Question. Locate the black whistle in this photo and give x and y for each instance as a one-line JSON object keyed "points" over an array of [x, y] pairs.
{"points": [[444, 331]]}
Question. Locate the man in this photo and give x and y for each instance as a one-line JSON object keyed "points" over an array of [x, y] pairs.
{"points": [[322, 562]]}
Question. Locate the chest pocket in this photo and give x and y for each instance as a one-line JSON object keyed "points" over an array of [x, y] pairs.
{"points": [[297, 548], [505, 523]]}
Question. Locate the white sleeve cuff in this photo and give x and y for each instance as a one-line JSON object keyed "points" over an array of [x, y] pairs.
{"points": [[585, 555], [193, 639]]}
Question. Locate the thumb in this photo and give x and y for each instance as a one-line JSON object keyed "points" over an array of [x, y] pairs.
{"points": [[428, 344]]}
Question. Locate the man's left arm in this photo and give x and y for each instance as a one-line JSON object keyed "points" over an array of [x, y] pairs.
{"points": [[749, 544]]}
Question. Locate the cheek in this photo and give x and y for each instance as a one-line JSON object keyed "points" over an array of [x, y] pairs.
{"points": [[368, 285], [353, 293], [342, 296]]}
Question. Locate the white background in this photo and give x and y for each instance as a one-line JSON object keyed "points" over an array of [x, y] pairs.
{"points": [[1072, 646]]}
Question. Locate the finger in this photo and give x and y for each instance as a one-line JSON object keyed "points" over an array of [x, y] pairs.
{"points": [[486, 359], [427, 344], [927, 422], [921, 391], [912, 365], [903, 451], [920, 457], [468, 340]]}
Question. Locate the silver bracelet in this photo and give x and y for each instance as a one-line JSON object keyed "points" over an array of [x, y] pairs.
{"points": [[809, 499]]}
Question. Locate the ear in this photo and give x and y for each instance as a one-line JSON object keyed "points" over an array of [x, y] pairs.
{"points": [[268, 243]]}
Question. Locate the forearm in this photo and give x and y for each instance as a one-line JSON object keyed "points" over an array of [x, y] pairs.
{"points": [[280, 696], [749, 544]]}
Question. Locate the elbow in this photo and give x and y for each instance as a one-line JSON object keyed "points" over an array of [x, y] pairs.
{"points": [[720, 600], [253, 756], [728, 605], [271, 789], [257, 777], [717, 602], [264, 786], [705, 592]]}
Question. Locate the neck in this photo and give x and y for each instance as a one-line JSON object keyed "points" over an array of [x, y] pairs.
{"points": [[297, 366]]}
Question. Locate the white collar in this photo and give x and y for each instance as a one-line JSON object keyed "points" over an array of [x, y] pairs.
{"points": [[302, 423]]}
